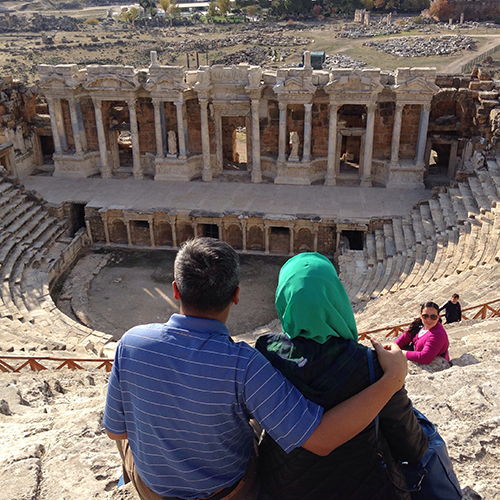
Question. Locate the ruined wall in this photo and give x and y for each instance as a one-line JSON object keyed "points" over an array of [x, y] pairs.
{"points": [[384, 123], [269, 129], [409, 131], [320, 124], [146, 124], [17, 111], [194, 126], [89, 121]]}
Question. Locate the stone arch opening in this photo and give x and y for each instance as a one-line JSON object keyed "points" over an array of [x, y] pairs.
{"points": [[280, 240], [186, 232], [120, 139], [163, 234], [234, 236], [256, 238], [118, 232], [304, 240], [140, 233], [234, 143], [76, 217], [47, 148]]}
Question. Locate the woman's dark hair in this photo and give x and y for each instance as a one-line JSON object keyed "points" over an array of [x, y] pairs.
{"points": [[417, 323]]}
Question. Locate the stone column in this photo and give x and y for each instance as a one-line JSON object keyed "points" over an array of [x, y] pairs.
{"points": [[81, 124], [219, 161], [54, 126], [134, 131], [174, 231], [315, 232], [244, 235], [89, 231], [366, 177], [306, 152], [256, 170], [75, 126], [292, 239], [422, 134], [159, 129], [181, 134], [331, 174], [101, 135], [60, 123], [129, 234], [106, 230], [195, 228], [282, 133], [152, 232], [205, 141], [266, 238], [396, 134]]}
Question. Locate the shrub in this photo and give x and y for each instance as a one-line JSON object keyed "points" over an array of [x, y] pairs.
{"points": [[417, 20], [91, 21]]}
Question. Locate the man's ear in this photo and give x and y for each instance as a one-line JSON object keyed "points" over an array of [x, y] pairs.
{"points": [[236, 296], [177, 295]]}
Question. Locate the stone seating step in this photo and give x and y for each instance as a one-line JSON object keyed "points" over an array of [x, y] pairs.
{"points": [[15, 214], [488, 186], [409, 233], [427, 223], [435, 257], [418, 228], [379, 245], [370, 273], [8, 302], [456, 197], [447, 209], [399, 239], [9, 263], [379, 272], [390, 244], [5, 187], [469, 248], [398, 268], [409, 258], [447, 259], [18, 224], [482, 201], [464, 234], [389, 265], [9, 207], [370, 249], [437, 216], [480, 254], [468, 199], [28, 232], [5, 250], [493, 167], [8, 197]]}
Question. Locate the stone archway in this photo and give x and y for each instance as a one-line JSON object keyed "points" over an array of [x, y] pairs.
{"points": [[304, 240], [185, 232], [163, 234], [255, 238], [118, 232], [234, 236]]}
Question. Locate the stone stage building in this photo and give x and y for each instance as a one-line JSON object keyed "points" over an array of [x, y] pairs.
{"points": [[298, 126]]}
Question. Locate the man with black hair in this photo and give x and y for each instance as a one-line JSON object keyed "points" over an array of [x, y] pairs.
{"points": [[181, 394], [452, 309]]}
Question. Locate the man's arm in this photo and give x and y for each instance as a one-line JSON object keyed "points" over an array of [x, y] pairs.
{"points": [[116, 437], [349, 418]]}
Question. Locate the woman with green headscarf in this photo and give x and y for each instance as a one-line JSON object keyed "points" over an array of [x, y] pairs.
{"points": [[319, 352]]}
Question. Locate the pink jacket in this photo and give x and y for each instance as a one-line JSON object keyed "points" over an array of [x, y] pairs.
{"points": [[426, 348]]}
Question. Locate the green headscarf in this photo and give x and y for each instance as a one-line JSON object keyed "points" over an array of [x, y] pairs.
{"points": [[312, 302]]}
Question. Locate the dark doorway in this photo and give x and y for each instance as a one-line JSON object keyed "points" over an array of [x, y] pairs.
{"points": [[47, 146], [76, 217], [211, 231], [356, 239]]}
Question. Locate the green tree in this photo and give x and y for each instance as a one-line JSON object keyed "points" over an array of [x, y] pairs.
{"points": [[224, 6], [212, 9], [149, 7], [442, 9], [251, 10], [130, 15]]}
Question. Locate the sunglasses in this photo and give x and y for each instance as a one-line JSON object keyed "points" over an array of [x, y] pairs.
{"points": [[432, 316]]}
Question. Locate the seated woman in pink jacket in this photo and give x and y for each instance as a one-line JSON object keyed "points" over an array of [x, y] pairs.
{"points": [[426, 335]]}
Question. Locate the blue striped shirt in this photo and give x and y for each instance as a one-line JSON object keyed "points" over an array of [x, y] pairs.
{"points": [[184, 391]]}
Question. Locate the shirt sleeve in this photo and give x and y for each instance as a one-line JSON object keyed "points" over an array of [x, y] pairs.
{"points": [[284, 413], [433, 346], [114, 415], [403, 340]]}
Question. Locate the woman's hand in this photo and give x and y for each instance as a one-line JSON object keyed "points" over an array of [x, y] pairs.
{"points": [[392, 361]]}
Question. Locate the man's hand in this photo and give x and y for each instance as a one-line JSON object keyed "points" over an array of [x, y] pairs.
{"points": [[393, 362]]}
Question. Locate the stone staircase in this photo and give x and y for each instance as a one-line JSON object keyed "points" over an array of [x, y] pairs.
{"points": [[32, 242], [457, 230]]}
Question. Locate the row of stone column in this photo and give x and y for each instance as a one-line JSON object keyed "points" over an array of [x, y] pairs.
{"points": [[61, 143], [244, 231]]}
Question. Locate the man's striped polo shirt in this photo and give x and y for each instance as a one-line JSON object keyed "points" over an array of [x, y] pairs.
{"points": [[184, 391]]}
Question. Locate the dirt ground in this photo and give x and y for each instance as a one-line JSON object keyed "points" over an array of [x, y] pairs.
{"points": [[136, 288]]}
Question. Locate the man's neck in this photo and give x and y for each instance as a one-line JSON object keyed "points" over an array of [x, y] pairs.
{"points": [[219, 316]]}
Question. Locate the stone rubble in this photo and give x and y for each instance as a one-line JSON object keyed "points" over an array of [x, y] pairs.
{"points": [[420, 47]]}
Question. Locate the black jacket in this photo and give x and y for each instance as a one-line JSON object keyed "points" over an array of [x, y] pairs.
{"points": [[329, 374]]}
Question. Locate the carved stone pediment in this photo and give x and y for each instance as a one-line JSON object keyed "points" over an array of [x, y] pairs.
{"points": [[416, 85], [53, 81], [109, 82], [294, 85], [165, 84], [353, 84]]}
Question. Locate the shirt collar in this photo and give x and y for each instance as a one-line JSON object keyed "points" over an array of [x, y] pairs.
{"points": [[195, 324]]}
